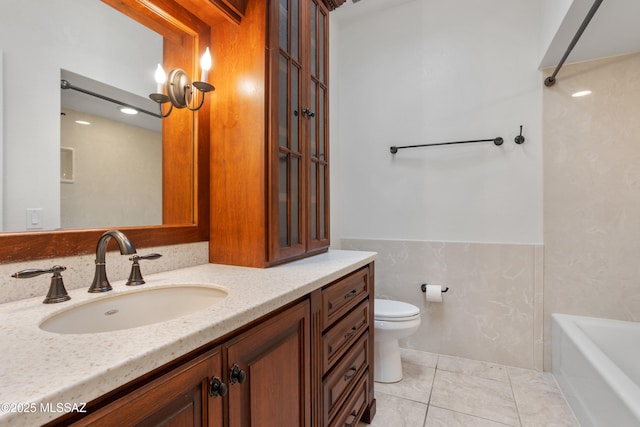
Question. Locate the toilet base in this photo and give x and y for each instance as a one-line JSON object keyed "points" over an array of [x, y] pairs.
{"points": [[387, 366]]}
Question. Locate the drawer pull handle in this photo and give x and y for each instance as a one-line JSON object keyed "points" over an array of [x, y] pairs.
{"points": [[351, 333], [350, 374], [351, 294], [351, 420]]}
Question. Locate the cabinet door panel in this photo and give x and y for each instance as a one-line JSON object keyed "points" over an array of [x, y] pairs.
{"points": [[274, 356], [318, 228], [179, 398], [287, 236]]}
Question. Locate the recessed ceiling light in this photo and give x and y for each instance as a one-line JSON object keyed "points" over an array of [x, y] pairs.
{"points": [[581, 93], [83, 122], [128, 110]]}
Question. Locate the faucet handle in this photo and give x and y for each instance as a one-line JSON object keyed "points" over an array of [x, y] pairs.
{"points": [[57, 291], [135, 277]]}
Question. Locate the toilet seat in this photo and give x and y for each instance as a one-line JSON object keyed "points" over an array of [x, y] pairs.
{"points": [[391, 311]]}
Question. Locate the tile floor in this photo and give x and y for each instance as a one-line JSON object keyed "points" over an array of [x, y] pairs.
{"points": [[444, 391]]}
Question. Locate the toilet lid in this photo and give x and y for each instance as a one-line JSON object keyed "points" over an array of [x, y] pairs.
{"points": [[389, 309]]}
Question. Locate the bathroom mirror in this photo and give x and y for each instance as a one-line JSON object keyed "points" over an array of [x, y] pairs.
{"points": [[183, 38]]}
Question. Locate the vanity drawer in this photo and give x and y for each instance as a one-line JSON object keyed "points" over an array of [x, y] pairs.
{"points": [[341, 296], [342, 379], [337, 340], [350, 414]]}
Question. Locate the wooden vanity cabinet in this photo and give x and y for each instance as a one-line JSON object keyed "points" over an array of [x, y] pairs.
{"points": [[264, 374], [307, 364], [342, 324]]}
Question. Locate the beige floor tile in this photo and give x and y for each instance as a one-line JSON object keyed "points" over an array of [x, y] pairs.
{"points": [[473, 395], [439, 417], [469, 393], [415, 385], [393, 411], [539, 400], [477, 368], [417, 357]]}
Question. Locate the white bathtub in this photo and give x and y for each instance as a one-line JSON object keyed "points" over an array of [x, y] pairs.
{"points": [[597, 365]]}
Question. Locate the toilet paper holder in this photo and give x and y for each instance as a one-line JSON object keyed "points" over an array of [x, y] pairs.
{"points": [[423, 288]]}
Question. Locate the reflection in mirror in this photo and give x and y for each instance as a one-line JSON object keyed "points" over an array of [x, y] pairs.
{"points": [[120, 43], [39, 39], [104, 148]]}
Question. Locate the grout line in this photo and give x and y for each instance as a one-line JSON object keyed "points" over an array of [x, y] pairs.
{"points": [[433, 381], [515, 401]]}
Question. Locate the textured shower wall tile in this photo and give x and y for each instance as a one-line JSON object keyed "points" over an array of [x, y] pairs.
{"points": [[488, 312], [538, 310], [592, 192], [80, 269]]}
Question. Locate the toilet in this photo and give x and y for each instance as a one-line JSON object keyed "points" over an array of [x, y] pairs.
{"points": [[393, 320]]}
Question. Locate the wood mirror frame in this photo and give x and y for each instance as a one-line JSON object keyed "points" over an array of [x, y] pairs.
{"points": [[185, 163]]}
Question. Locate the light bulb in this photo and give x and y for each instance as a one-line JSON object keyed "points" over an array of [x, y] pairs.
{"points": [[161, 78], [205, 65]]}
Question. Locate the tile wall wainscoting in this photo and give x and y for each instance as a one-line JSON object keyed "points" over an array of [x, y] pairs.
{"points": [[81, 268], [493, 309]]}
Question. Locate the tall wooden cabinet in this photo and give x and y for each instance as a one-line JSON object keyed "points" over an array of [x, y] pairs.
{"points": [[270, 137], [299, 168]]}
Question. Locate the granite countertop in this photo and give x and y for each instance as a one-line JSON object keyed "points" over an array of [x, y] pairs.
{"points": [[43, 374]]}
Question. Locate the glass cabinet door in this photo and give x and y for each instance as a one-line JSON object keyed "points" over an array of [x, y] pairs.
{"points": [[290, 176], [318, 130], [299, 207]]}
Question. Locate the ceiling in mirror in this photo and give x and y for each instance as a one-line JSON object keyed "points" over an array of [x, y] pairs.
{"points": [[81, 93]]}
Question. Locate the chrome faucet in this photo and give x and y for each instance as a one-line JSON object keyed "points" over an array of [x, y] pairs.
{"points": [[100, 281]]}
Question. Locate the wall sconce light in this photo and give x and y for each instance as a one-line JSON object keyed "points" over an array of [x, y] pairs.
{"points": [[181, 92]]}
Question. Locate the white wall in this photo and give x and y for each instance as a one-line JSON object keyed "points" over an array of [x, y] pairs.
{"points": [[38, 39], [428, 71]]}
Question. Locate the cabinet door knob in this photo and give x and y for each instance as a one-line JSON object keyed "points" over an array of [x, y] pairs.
{"points": [[217, 388], [237, 374], [307, 112]]}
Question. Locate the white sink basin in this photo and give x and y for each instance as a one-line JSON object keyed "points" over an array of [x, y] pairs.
{"points": [[134, 308]]}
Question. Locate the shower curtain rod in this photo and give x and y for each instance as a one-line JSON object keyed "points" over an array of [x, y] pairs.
{"points": [[551, 80], [497, 141], [64, 84]]}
